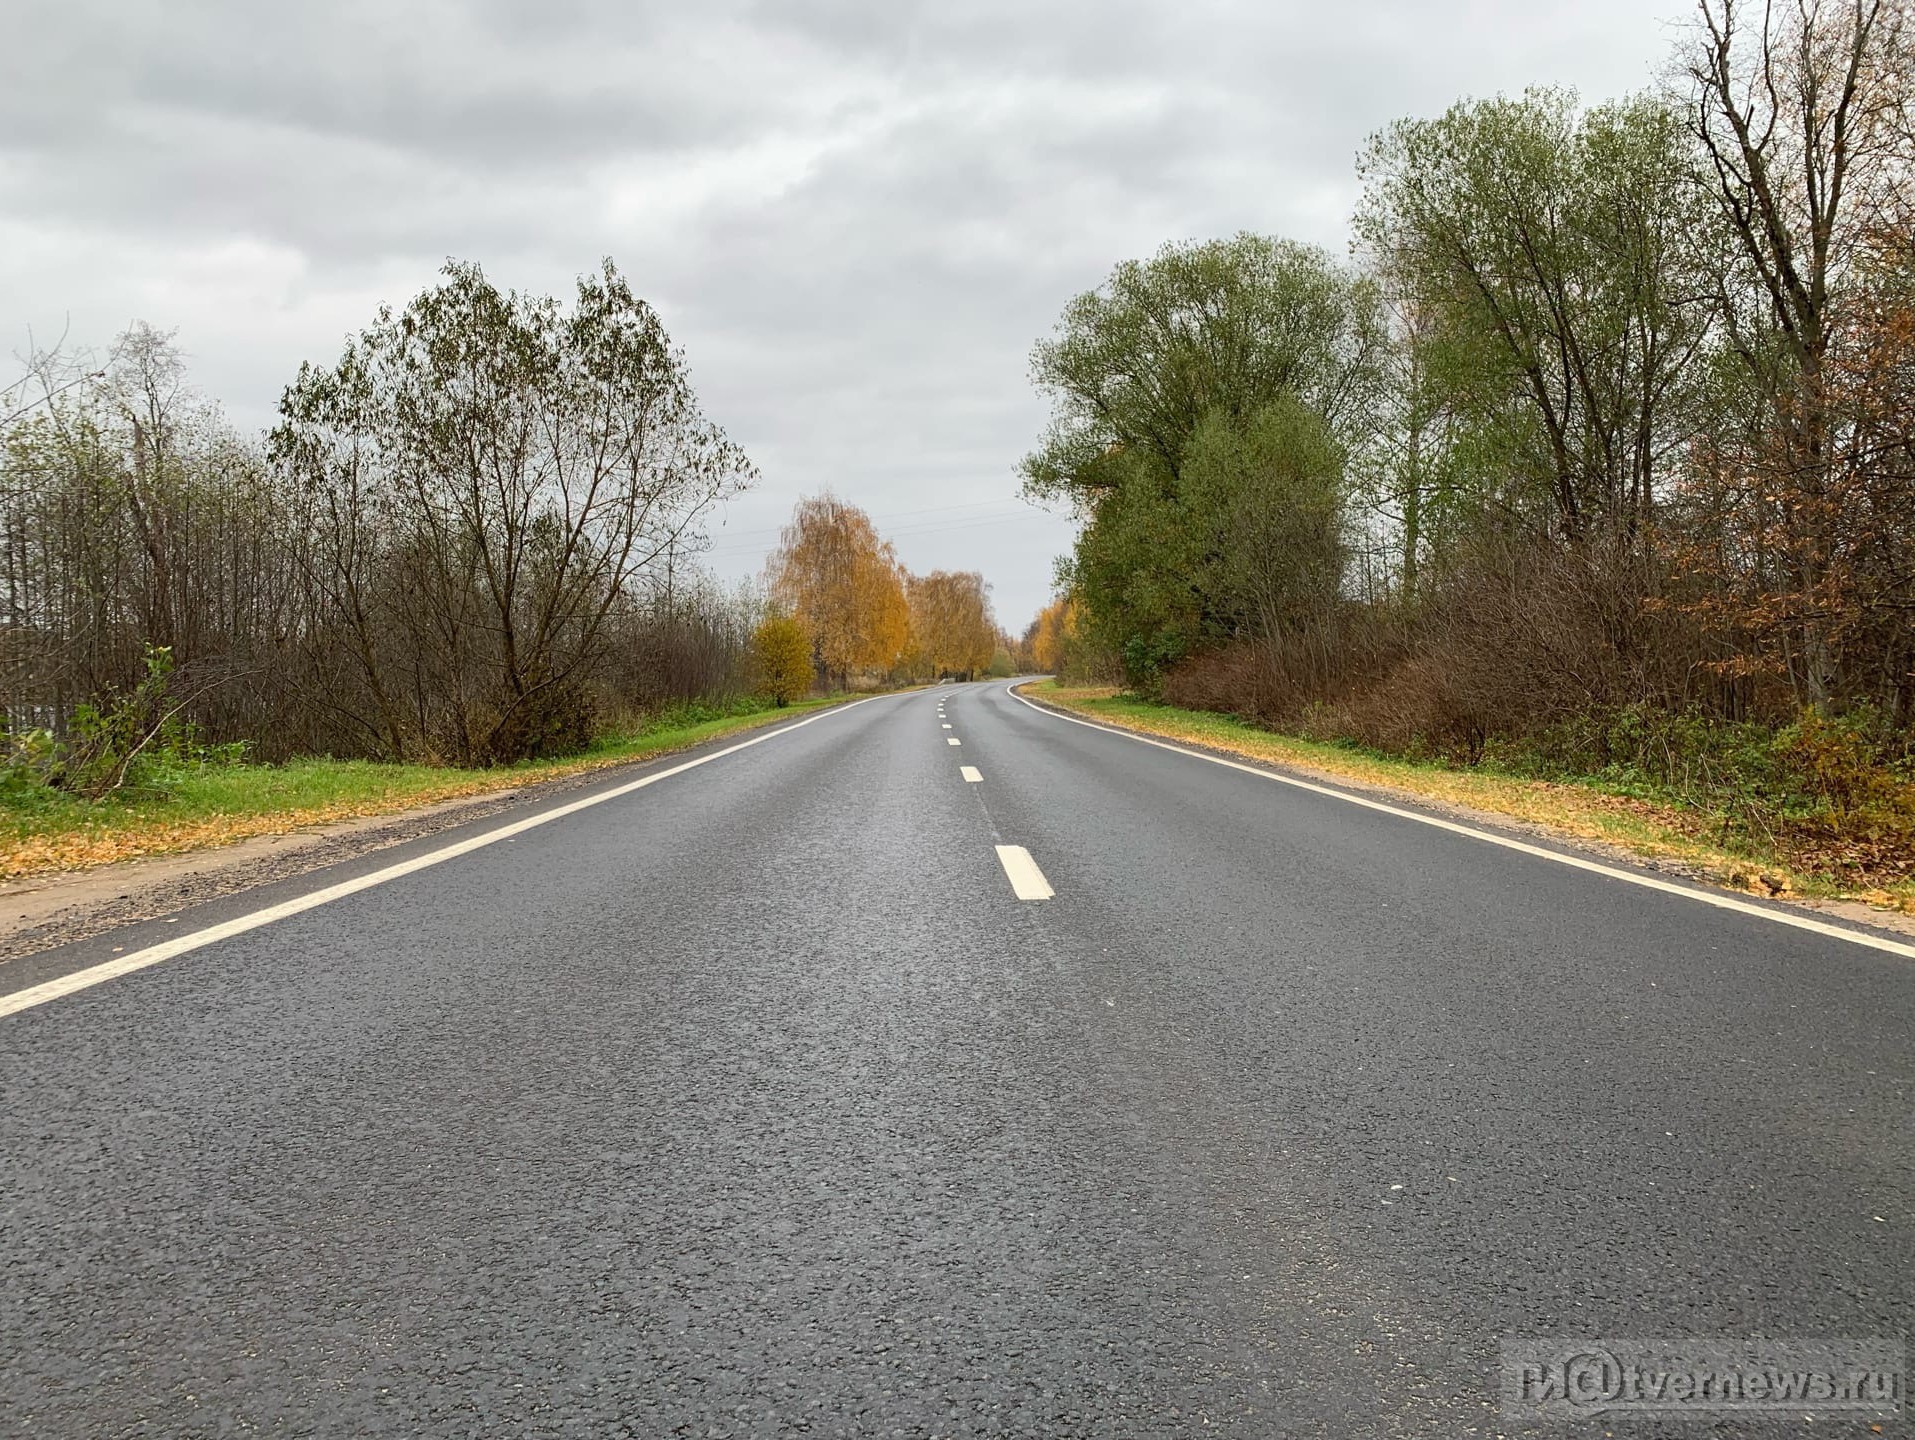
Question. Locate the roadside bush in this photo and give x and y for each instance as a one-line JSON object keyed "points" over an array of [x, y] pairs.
{"points": [[1232, 680], [29, 759], [1542, 662], [110, 745], [1853, 763], [560, 721], [781, 649], [135, 741]]}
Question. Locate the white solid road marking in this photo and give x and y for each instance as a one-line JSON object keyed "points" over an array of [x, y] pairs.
{"points": [[971, 773], [1575, 862], [1027, 881], [952, 740], [153, 954]]}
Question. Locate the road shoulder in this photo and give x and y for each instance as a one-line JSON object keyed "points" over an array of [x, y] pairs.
{"points": [[53, 908], [1608, 829]]}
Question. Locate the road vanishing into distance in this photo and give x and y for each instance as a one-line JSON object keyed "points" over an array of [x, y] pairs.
{"points": [[779, 1094]]}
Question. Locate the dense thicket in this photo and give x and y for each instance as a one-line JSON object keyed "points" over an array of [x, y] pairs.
{"points": [[1598, 453], [470, 539]]}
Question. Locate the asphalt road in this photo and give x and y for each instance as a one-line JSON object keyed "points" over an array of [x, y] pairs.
{"points": [[756, 1102]]}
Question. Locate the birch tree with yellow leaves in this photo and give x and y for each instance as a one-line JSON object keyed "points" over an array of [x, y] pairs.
{"points": [[843, 583], [952, 628]]}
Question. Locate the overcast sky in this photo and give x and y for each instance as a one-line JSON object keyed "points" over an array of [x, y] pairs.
{"points": [[854, 215]]}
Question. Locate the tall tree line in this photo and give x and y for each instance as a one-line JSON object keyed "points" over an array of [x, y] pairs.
{"points": [[465, 540], [1609, 410], [864, 615]]}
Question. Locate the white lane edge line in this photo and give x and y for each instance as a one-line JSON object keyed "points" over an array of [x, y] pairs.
{"points": [[1594, 867], [971, 774], [1027, 881], [35, 995]]}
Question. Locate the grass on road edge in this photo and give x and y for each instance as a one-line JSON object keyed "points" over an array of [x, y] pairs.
{"points": [[203, 806], [1665, 834]]}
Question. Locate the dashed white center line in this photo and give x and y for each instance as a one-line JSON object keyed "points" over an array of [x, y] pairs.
{"points": [[971, 773], [952, 740], [947, 727], [1027, 881]]}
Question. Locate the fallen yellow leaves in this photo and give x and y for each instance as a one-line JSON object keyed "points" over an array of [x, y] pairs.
{"points": [[110, 836], [1641, 828], [110, 843]]}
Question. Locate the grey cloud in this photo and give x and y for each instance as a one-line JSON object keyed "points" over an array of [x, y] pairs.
{"points": [[424, 79], [855, 215]]}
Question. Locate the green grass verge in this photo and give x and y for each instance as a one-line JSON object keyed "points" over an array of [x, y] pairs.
{"points": [[1621, 815], [190, 807]]}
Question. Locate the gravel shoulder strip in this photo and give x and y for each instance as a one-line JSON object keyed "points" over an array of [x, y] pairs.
{"points": [[52, 910]]}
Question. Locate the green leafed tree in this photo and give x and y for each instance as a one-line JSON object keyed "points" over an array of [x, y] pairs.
{"points": [[1226, 325], [1266, 491], [1250, 343], [1552, 256], [487, 477]]}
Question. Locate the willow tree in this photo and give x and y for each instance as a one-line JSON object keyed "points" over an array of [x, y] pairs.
{"points": [[952, 628], [1550, 256], [486, 476], [1048, 637], [1209, 334], [1227, 325], [843, 583]]}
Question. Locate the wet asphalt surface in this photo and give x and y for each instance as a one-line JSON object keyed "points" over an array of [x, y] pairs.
{"points": [[754, 1103]]}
